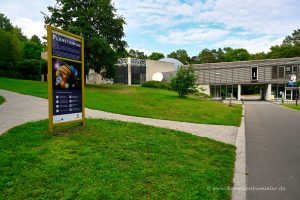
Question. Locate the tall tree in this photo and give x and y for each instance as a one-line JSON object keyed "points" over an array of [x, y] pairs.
{"points": [[258, 56], [32, 50], [36, 39], [207, 56], [180, 55], [285, 51], [137, 54], [5, 23], [156, 56], [239, 54], [292, 39], [98, 23], [11, 50]]}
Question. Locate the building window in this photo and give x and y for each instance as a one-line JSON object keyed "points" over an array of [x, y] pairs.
{"points": [[138, 75], [281, 72], [274, 72], [121, 75], [254, 73], [295, 71], [288, 71]]}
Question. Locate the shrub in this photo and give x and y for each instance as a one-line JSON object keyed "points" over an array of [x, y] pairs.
{"points": [[184, 82], [156, 84], [29, 69], [44, 67]]}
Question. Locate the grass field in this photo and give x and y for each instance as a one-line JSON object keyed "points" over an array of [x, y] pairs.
{"points": [[143, 102], [112, 160], [2, 99], [293, 106]]}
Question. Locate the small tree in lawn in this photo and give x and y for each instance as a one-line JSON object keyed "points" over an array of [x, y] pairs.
{"points": [[184, 82]]}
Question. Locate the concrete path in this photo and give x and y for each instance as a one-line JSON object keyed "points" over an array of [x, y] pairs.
{"points": [[272, 151], [19, 109]]}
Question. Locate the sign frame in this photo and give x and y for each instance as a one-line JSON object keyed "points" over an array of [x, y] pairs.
{"points": [[50, 30]]}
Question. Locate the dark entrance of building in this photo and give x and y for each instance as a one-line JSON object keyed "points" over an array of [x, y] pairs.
{"points": [[253, 92]]}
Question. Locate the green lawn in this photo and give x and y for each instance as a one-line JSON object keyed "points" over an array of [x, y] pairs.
{"points": [[112, 160], [2, 99], [293, 106], [143, 102]]}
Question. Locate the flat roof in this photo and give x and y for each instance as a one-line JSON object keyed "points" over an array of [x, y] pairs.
{"points": [[265, 62]]}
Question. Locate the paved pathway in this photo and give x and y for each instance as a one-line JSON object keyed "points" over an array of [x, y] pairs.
{"points": [[272, 150], [20, 109]]}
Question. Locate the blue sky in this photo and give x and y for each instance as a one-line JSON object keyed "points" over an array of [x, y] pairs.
{"points": [[168, 25]]}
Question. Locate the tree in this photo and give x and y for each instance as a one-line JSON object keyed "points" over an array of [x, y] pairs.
{"points": [[239, 54], [36, 39], [11, 50], [32, 50], [137, 54], [156, 56], [5, 23], [195, 60], [284, 51], [292, 39], [122, 53], [98, 23], [18, 32], [180, 55], [258, 56], [184, 82], [207, 56], [29, 69], [7, 26]]}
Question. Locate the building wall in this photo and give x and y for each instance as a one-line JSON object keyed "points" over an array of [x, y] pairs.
{"points": [[95, 78], [154, 66], [240, 72]]}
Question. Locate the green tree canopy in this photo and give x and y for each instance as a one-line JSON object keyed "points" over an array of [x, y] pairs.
{"points": [[292, 39], [156, 56], [258, 56], [36, 39], [180, 55], [184, 82], [207, 56], [284, 51], [137, 54], [98, 23], [239, 54], [5, 23], [11, 50], [32, 50]]}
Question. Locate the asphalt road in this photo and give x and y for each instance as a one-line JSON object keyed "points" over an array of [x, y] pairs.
{"points": [[272, 151]]}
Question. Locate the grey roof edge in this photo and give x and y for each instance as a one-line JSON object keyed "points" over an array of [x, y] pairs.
{"points": [[278, 61]]}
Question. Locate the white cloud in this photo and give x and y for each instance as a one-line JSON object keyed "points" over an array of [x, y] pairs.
{"points": [[252, 45], [192, 36], [173, 22], [30, 27], [26, 14], [255, 24]]}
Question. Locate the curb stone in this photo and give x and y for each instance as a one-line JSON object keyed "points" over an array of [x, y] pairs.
{"points": [[239, 179]]}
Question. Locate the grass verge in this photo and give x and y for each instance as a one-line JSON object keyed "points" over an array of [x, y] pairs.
{"points": [[143, 102], [112, 160], [2, 100], [293, 106]]}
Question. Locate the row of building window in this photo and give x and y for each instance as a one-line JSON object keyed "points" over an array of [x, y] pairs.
{"points": [[283, 72]]}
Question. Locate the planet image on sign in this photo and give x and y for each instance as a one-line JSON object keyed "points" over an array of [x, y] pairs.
{"points": [[157, 76], [66, 75]]}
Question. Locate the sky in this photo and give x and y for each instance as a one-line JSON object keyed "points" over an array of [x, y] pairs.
{"points": [[167, 25]]}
